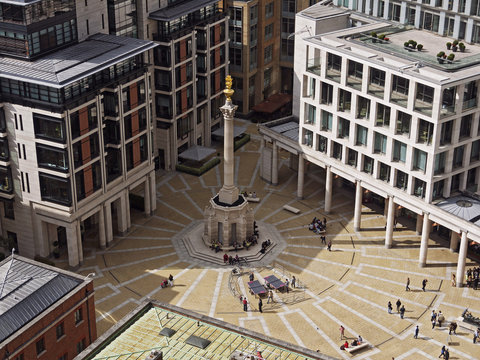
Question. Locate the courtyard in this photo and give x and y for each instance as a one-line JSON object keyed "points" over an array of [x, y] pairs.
{"points": [[350, 285]]}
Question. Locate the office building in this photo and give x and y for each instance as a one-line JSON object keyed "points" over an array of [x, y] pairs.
{"points": [[45, 312]]}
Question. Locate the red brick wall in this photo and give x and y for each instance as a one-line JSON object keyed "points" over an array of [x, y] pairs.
{"points": [[25, 342]]}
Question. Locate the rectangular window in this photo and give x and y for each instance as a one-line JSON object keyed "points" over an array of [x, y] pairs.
{"points": [[343, 128], [438, 189], [40, 346], [384, 172], [311, 114], [380, 146], [425, 132], [23, 181], [439, 166], [268, 54], [327, 94], [16, 121], [88, 27], [363, 108], [269, 10], [337, 151], [78, 315], [403, 123], [466, 126], [376, 86], [55, 189], [367, 165], [383, 115], [268, 32], [419, 160], [60, 329], [8, 209], [419, 188], [362, 134], [344, 100], [446, 133], [355, 74], [49, 157], [399, 151], [352, 158], [80, 346], [470, 95], [448, 101], [322, 144], [21, 122], [307, 137], [424, 98], [399, 93], [24, 152], [458, 157], [402, 180], [475, 152], [327, 119], [334, 67], [49, 128]]}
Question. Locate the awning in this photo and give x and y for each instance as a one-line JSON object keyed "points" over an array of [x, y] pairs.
{"points": [[273, 103], [197, 153], [237, 131]]}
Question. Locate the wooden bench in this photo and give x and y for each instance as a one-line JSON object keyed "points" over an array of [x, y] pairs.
{"points": [[291, 209], [352, 349], [253, 199]]}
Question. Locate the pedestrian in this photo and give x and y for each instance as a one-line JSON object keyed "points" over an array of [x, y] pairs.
{"points": [[225, 258], [398, 303], [415, 336], [454, 281], [434, 321], [424, 283], [389, 307], [252, 277], [324, 239], [270, 296], [260, 304], [442, 353], [286, 284], [170, 280], [440, 318], [402, 312], [294, 281], [475, 336], [447, 354], [433, 316], [342, 332], [407, 288], [329, 245], [245, 304]]}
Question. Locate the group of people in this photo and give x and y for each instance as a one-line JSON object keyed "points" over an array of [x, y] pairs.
{"points": [[265, 245], [400, 308], [472, 276], [230, 259], [355, 342], [318, 226], [167, 282], [437, 319]]}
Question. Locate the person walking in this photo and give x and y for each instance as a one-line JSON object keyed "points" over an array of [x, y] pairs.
{"points": [[415, 336], [270, 296], [324, 239], [342, 332], [424, 284], [440, 318], [442, 353], [170, 280], [252, 277], [434, 321], [245, 304], [398, 303], [294, 281], [407, 287], [329, 245], [447, 354], [389, 307], [260, 304], [402, 312], [286, 284], [475, 336]]}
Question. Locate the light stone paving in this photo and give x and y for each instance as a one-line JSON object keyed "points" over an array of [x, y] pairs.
{"points": [[350, 285]]}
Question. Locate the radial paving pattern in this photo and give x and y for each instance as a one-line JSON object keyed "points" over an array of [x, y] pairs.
{"points": [[351, 285]]}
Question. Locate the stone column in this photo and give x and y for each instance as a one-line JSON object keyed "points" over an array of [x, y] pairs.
{"points": [[146, 196], [127, 209], [72, 247], [274, 163], [422, 260], [462, 257], [454, 238], [79, 242], [301, 176], [101, 228], [328, 189], [122, 215], [418, 225], [390, 223], [108, 223], [357, 217], [153, 193], [229, 192], [262, 148]]}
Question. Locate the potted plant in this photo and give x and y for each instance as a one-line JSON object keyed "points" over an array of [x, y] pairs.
{"points": [[449, 45], [461, 46], [381, 36], [454, 45], [451, 57], [413, 44], [373, 34], [406, 45], [419, 47], [441, 57]]}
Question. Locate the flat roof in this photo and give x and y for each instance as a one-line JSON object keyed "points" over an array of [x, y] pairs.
{"points": [[27, 288], [66, 66], [20, 2], [175, 11], [183, 334], [319, 11]]}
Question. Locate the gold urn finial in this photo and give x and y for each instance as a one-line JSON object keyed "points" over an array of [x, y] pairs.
{"points": [[228, 88]]}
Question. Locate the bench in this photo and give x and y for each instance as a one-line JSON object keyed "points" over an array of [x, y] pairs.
{"points": [[352, 349], [253, 199], [464, 324], [291, 209]]}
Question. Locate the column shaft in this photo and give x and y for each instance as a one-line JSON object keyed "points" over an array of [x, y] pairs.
{"points": [[422, 260], [301, 176], [229, 162], [108, 223], [127, 209], [274, 163], [146, 196], [454, 237], [357, 217], [462, 257], [72, 247], [79, 242], [419, 224], [328, 190], [390, 223], [122, 215], [153, 192], [101, 228]]}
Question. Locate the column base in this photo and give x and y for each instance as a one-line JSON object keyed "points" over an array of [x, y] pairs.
{"points": [[300, 197], [453, 251], [388, 246], [356, 229], [460, 285], [418, 233], [422, 265]]}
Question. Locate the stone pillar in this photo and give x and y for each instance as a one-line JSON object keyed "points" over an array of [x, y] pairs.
{"points": [[328, 189], [153, 193], [146, 196], [454, 238], [229, 192], [122, 215], [108, 223], [301, 176], [42, 244], [274, 163], [101, 228], [390, 223], [462, 257], [385, 207], [357, 217], [262, 148], [127, 209], [79, 242], [422, 260], [72, 247], [418, 226]]}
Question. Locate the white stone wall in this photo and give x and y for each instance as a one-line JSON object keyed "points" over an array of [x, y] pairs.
{"points": [[91, 11]]}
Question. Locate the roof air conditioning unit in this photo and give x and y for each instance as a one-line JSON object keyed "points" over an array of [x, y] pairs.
{"points": [[155, 355]]}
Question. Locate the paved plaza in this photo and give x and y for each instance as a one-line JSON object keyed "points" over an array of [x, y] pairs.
{"points": [[349, 286]]}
